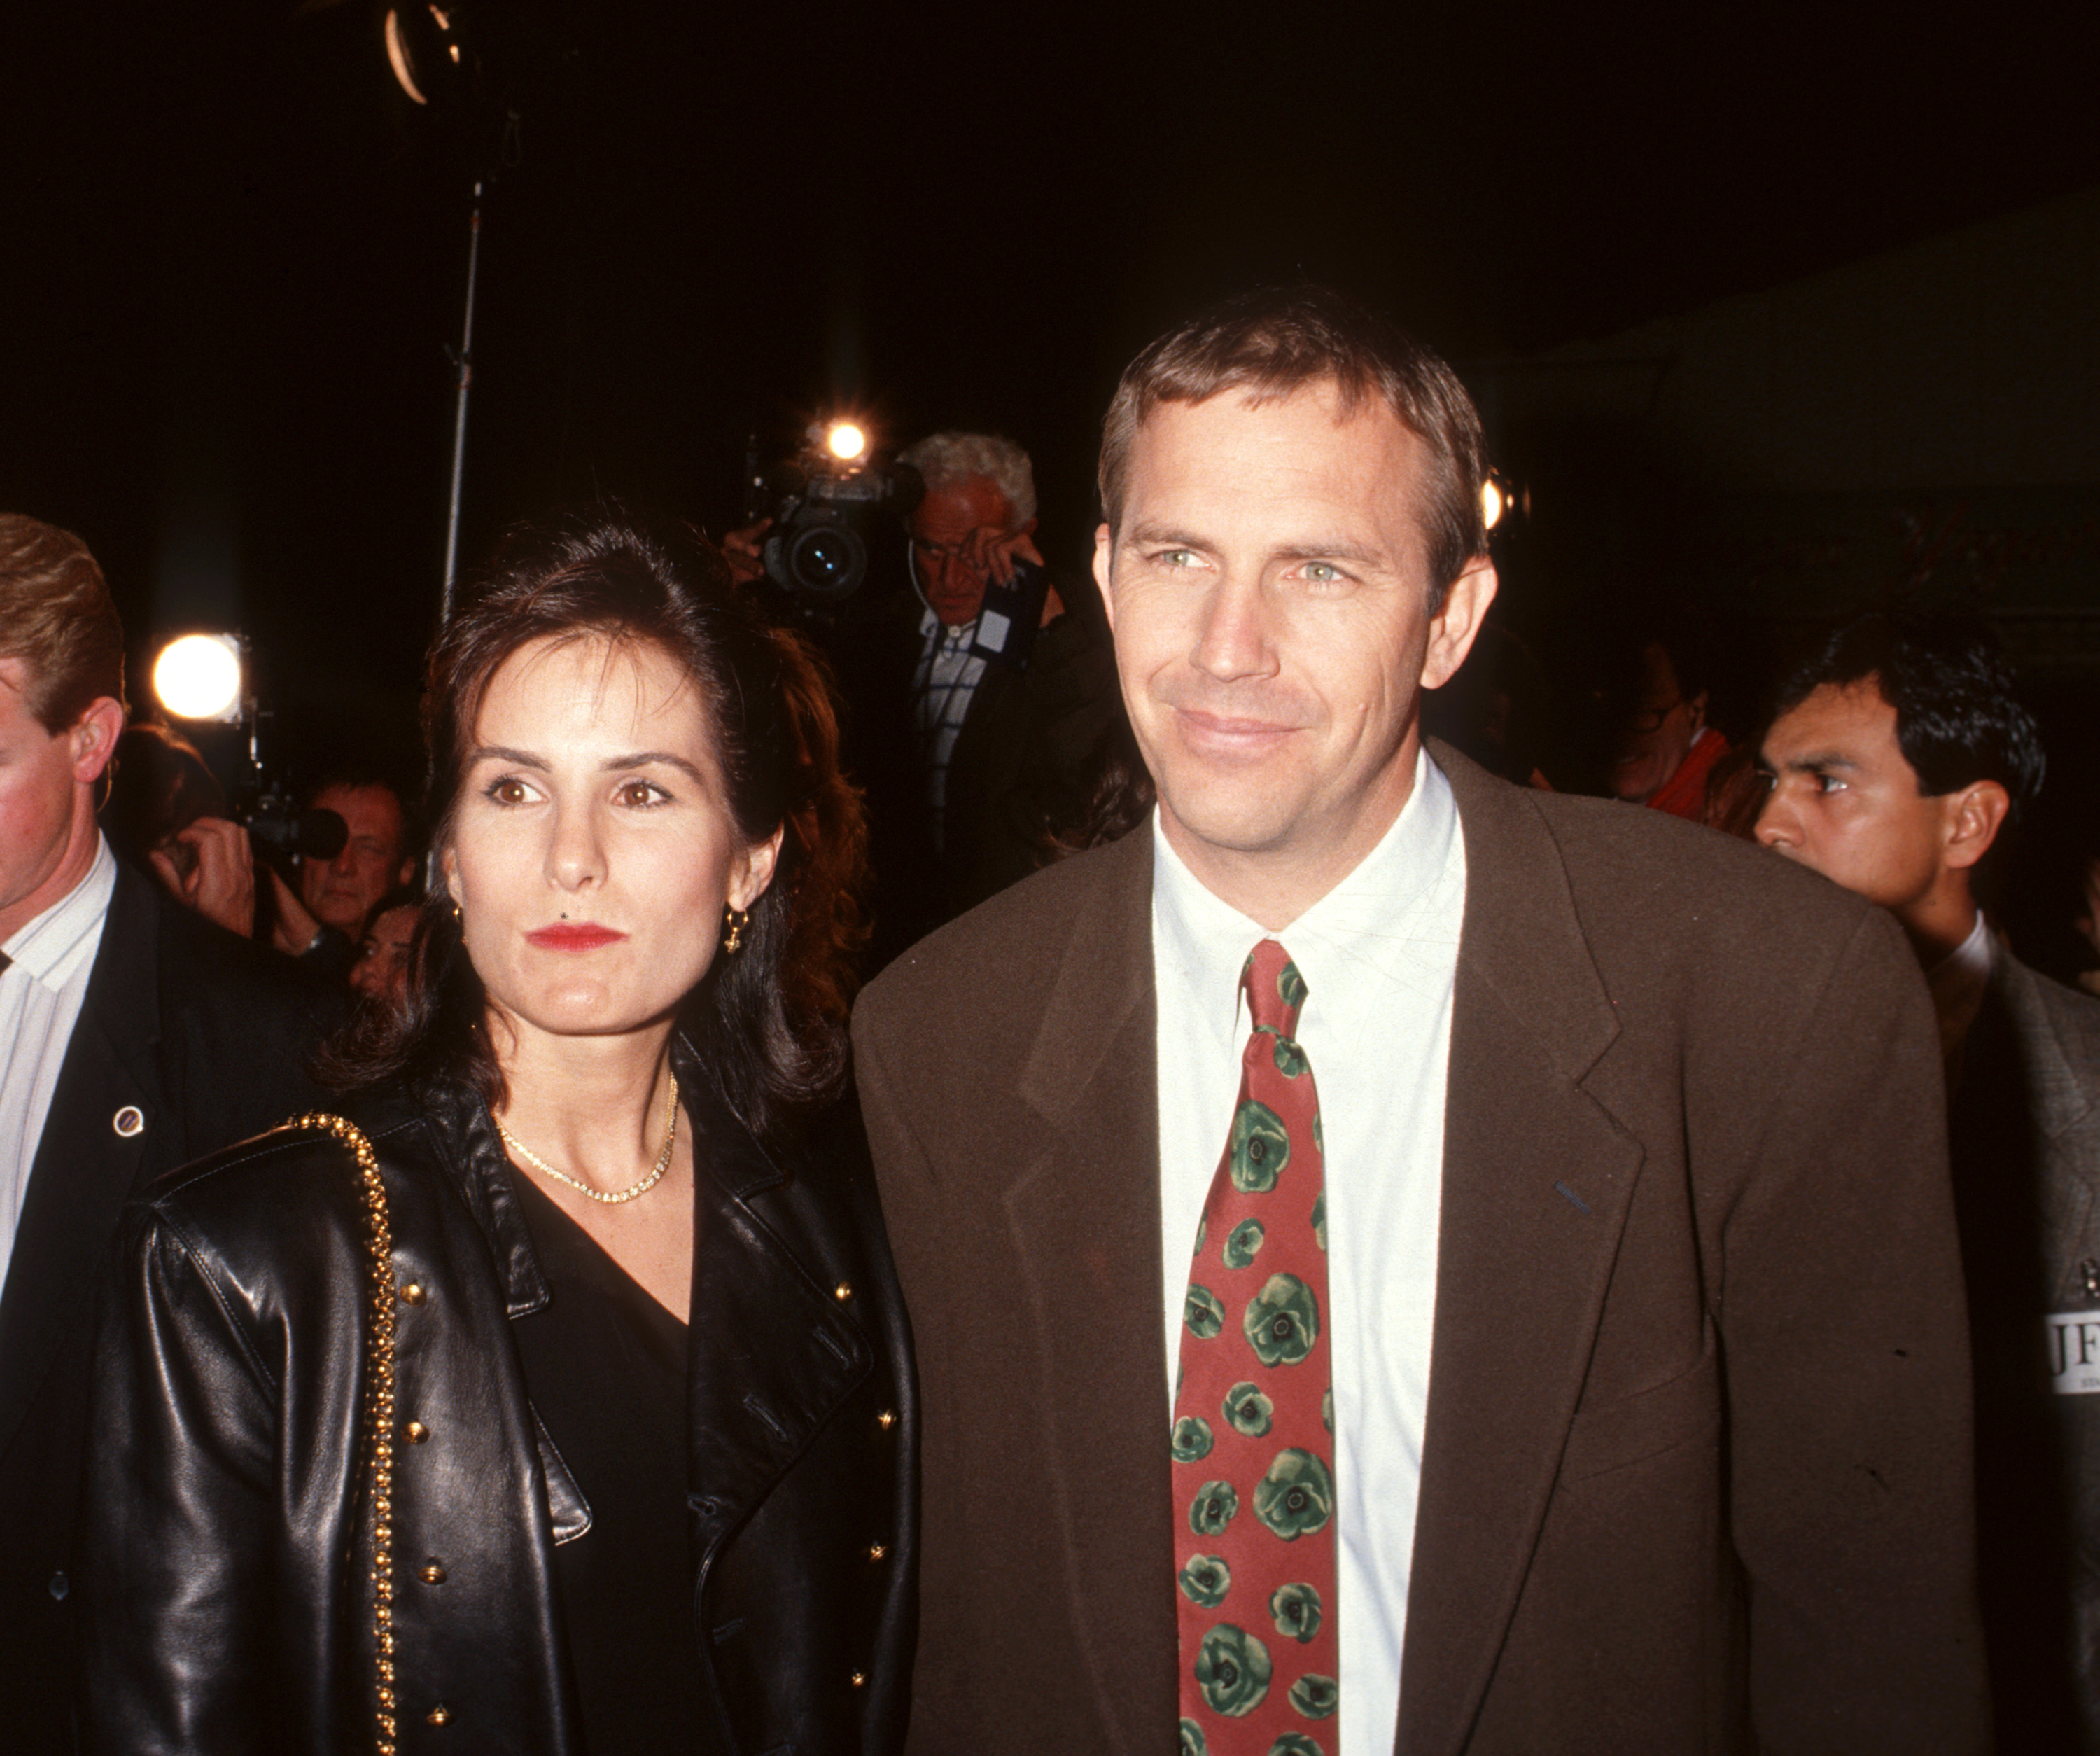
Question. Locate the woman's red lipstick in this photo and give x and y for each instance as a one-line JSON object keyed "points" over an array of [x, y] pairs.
{"points": [[572, 936]]}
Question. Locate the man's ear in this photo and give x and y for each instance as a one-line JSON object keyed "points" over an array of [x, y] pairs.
{"points": [[1457, 621], [1975, 814], [1104, 553], [94, 738]]}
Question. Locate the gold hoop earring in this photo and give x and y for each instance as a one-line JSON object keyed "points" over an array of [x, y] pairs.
{"points": [[456, 915], [735, 920]]}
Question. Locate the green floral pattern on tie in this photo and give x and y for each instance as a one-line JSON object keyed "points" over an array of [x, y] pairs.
{"points": [[1248, 1410], [1313, 1696], [1295, 1611], [1260, 1148], [1192, 1440], [1212, 1509], [1296, 1496], [1254, 1412], [1207, 1579], [1233, 1670], [1282, 1320]]}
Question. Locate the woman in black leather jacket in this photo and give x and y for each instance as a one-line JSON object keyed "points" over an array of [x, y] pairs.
{"points": [[557, 1397]]}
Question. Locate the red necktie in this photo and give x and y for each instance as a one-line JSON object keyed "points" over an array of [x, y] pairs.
{"points": [[1254, 1445]]}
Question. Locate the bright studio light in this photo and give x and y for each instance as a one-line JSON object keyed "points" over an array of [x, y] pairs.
{"points": [[199, 677], [846, 441], [1493, 505]]}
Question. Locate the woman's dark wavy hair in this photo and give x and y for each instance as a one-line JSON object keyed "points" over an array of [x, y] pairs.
{"points": [[768, 1022]]}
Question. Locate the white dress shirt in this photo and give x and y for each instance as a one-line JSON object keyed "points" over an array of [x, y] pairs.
{"points": [[1957, 982], [1379, 955], [41, 991]]}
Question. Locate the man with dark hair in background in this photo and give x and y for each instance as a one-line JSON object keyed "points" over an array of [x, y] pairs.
{"points": [[1899, 754], [1564, 1351], [134, 1037], [211, 866]]}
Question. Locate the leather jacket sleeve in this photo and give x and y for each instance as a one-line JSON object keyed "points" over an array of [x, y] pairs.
{"points": [[185, 1491]]}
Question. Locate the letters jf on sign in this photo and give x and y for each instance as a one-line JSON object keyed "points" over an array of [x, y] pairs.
{"points": [[2074, 1352]]}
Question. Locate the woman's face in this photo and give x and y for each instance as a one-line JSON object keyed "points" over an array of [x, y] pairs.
{"points": [[592, 850]]}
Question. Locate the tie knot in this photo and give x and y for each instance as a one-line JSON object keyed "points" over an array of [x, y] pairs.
{"points": [[1274, 989]]}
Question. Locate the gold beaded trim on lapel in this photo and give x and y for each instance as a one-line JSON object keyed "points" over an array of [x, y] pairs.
{"points": [[378, 1406]]}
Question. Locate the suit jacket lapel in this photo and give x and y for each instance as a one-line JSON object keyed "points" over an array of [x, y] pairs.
{"points": [[84, 1168], [1538, 1178], [1083, 1212]]}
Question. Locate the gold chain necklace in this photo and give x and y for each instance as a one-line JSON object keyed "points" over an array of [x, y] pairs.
{"points": [[648, 1182]]}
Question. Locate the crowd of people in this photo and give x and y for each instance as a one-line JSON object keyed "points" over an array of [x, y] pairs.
{"points": [[780, 1201]]}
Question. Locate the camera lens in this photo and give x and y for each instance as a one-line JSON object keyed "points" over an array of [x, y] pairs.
{"points": [[827, 562]]}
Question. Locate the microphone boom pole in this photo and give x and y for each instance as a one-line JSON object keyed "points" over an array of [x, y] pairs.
{"points": [[465, 361]]}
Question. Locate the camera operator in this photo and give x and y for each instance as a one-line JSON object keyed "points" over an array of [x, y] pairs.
{"points": [[133, 1037], [977, 697], [213, 870]]}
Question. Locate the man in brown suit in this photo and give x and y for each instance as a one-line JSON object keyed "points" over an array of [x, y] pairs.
{"points": [[1649, 1407]]}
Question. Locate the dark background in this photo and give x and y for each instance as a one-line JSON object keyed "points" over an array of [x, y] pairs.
{"points": [[235, 251]]}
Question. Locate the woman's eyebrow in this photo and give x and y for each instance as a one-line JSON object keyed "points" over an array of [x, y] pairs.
{"points": [[643, 758], [501, 752]]}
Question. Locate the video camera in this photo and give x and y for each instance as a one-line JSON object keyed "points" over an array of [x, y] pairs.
{"points": [[280, 830], [825, 504], [204, 678]]}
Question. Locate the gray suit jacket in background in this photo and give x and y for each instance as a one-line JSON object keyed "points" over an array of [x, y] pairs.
{"points": [[1696, 1473], [2025, 1128]]}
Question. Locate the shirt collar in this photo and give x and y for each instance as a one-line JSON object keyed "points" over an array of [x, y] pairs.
{"points": [[1362, 924], [52, 946], [1957, 981]]}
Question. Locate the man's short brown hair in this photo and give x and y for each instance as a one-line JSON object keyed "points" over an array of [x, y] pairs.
{"points": [[56, 616], [1273, 341]]}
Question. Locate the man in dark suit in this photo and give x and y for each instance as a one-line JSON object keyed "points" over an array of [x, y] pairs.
{"points": [[1616, 1238], [133, 1036], [1899, 752]]}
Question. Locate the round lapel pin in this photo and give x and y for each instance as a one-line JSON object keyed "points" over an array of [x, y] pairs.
{"points": [[129, 1121]]}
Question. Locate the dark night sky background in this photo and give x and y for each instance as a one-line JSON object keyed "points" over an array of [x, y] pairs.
{"points": [[236, 252]]}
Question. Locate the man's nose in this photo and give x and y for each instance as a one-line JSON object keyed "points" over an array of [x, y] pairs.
{"points": [[1776, 825], [1234, 639]]}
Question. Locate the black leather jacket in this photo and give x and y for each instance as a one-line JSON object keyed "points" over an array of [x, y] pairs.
{"points": [[227, 1563]]}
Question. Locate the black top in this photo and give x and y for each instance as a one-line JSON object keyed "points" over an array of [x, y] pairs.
{"points": [[605, 1367]]}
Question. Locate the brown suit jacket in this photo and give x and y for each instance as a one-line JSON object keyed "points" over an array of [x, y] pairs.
{"points": [[1697, 1468]]}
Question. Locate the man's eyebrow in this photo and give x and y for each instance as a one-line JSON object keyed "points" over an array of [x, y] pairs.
{"points": [[1162, 535], [1315, 549], [644, 758], [1336, 548], [1815, 759]]}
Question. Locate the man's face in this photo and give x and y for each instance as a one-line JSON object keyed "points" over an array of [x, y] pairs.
{"points": [[952, 528], [1268, 589], [1658, 736], [45, 795], [1846, 803], [343, 891]]}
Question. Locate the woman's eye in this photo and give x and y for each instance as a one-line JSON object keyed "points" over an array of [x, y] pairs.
{"points": [[641, 792], [507, 791]]}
